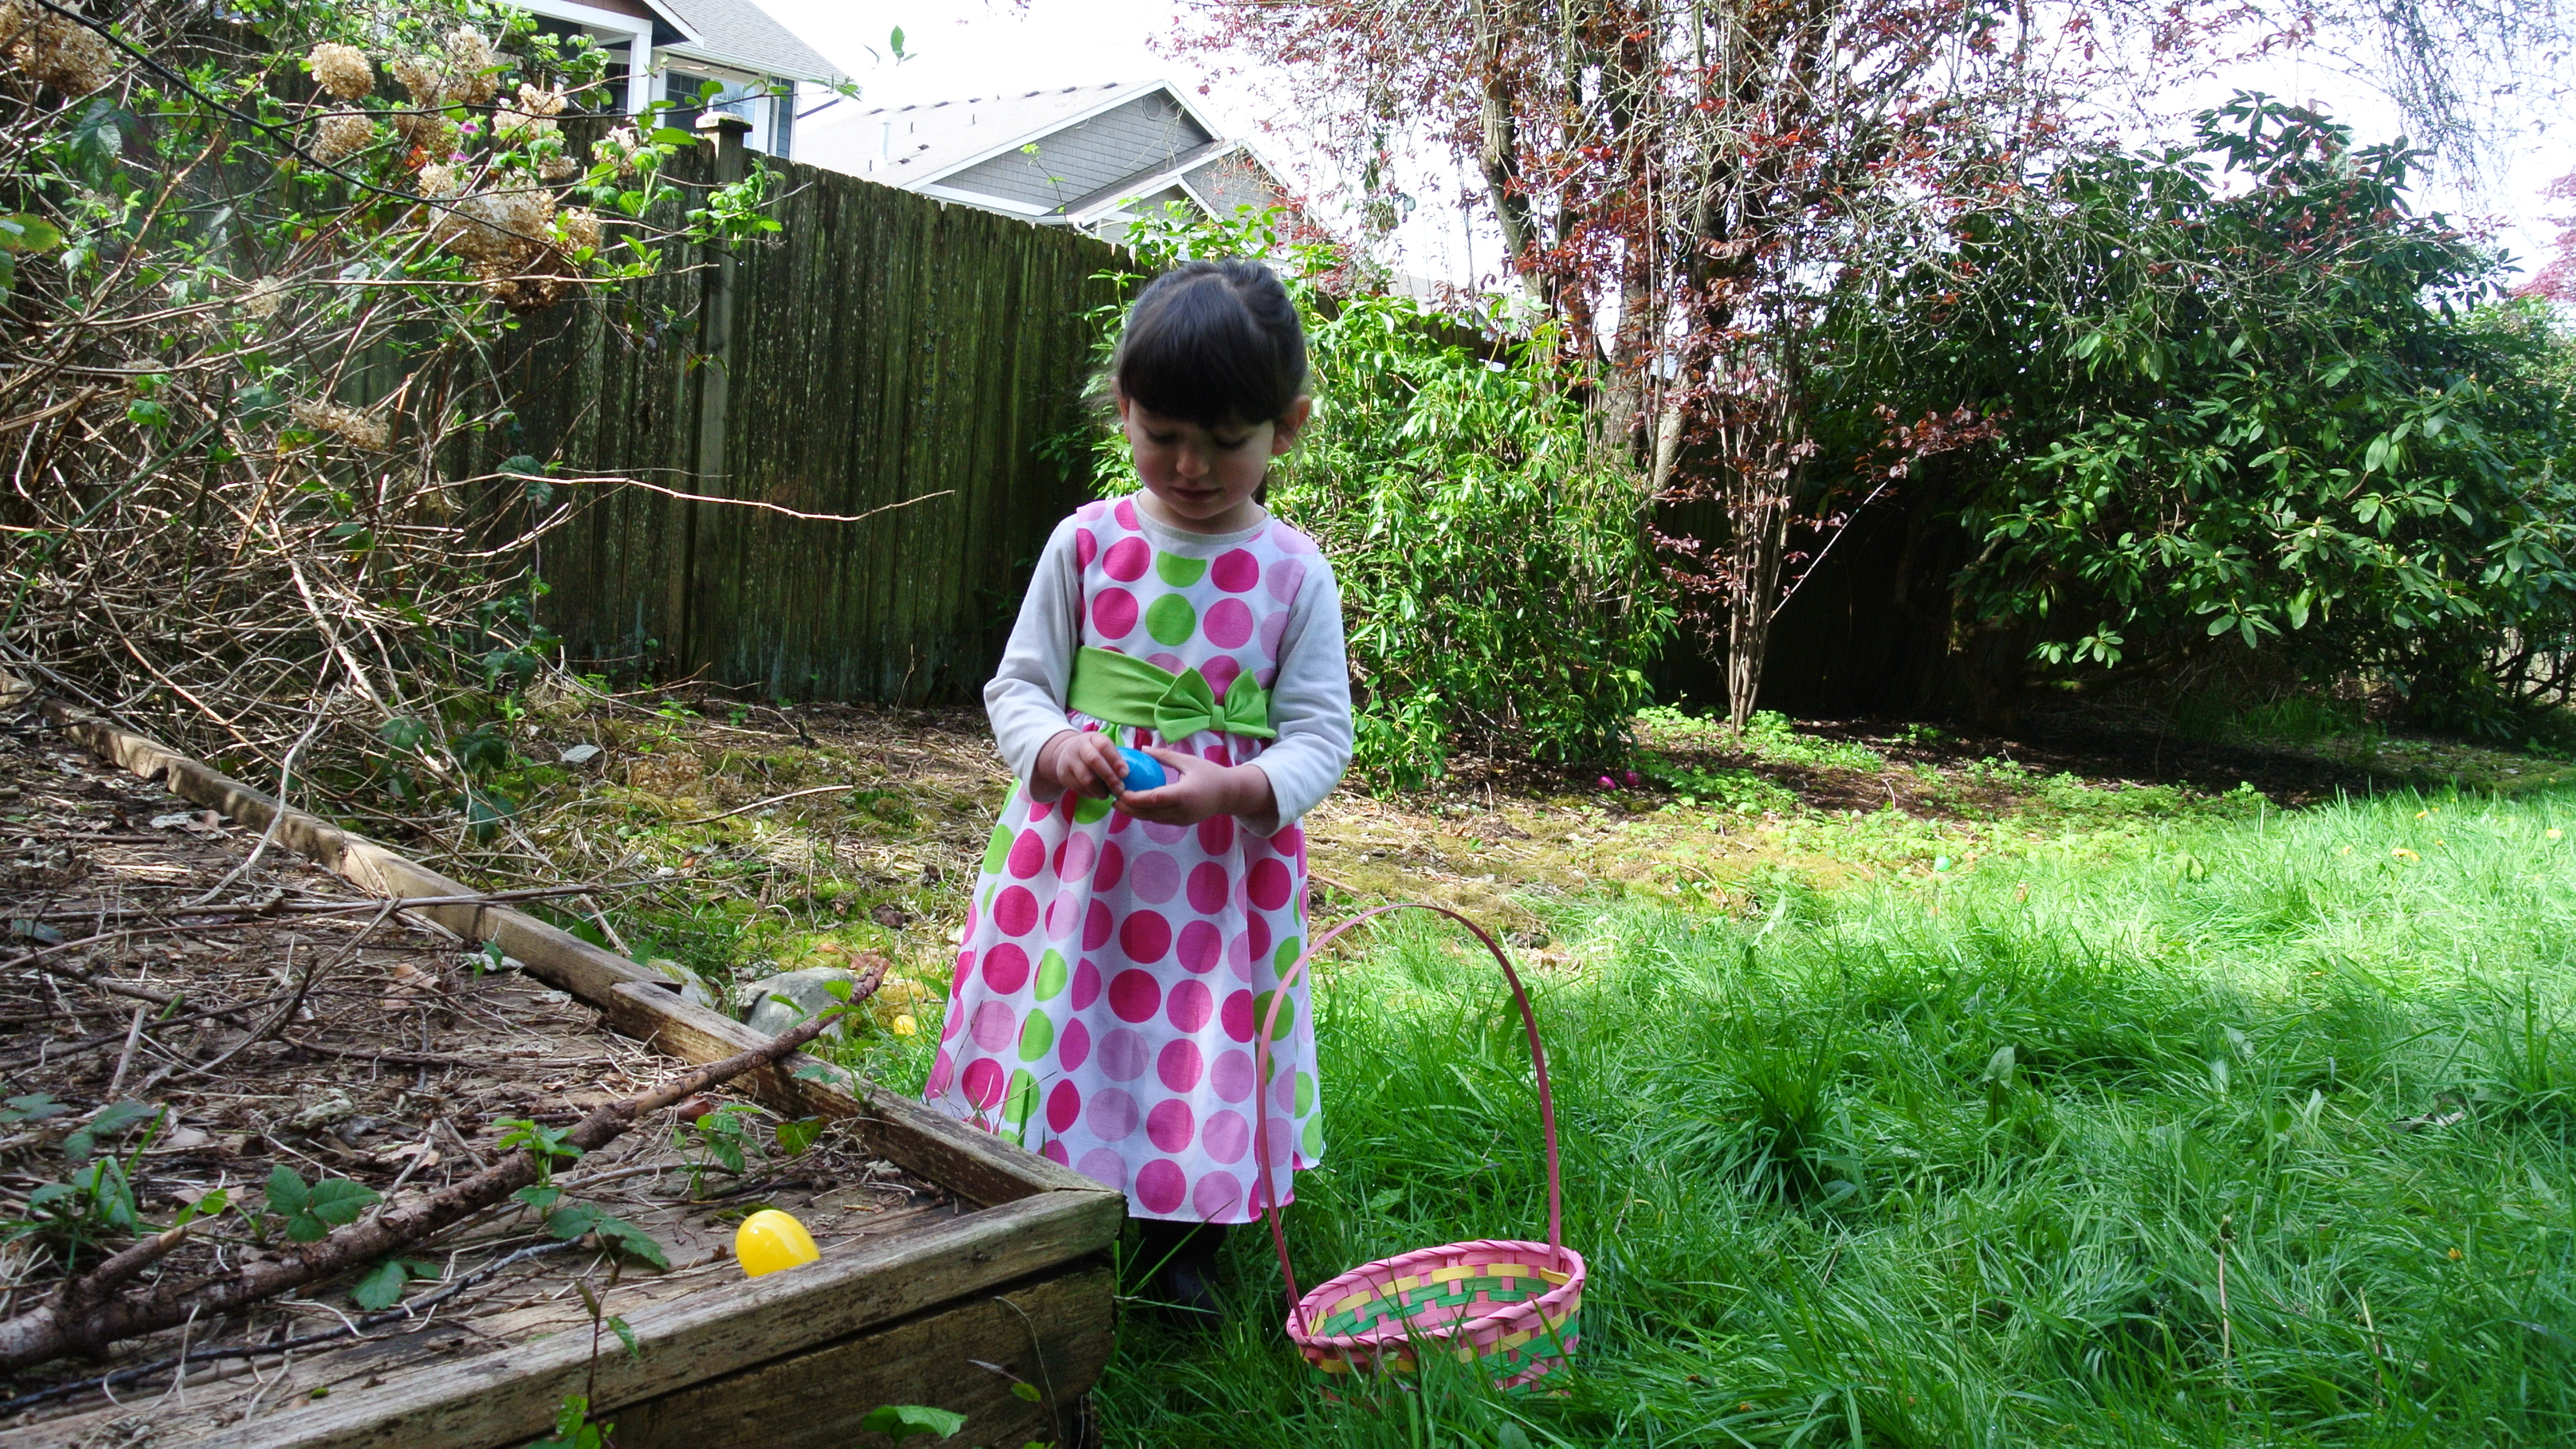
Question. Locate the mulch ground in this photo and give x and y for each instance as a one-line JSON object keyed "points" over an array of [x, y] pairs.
{"points": [[270, 1015]]}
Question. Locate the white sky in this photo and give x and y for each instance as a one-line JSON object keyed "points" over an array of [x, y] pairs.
{"points": [[964, 48]]}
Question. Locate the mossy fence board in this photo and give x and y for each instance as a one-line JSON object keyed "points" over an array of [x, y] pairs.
{"points": [[883, 349]]}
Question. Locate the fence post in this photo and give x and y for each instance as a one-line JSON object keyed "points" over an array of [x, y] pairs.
{"points": [[715, 376]]}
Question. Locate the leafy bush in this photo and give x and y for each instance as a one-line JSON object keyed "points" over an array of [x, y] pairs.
{"points": [[1496, 580]]}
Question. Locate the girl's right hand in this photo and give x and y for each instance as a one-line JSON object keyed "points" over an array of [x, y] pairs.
{"points": [[1082, 764]]}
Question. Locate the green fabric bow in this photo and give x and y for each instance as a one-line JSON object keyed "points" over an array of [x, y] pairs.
{"points": [[1122, 689]]}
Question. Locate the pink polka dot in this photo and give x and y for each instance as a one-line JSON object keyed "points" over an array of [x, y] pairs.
{"points": [[1286, 540], [1086, 984], [1283, 1090], [1095, 926], [965, 968], [1015, 911], [1086, 547], [941, 1069], [1256, 933], [1026, 855], [1162, 834], [1272, 630], [1112, 1115], [1146, 937], [1073, 858], [1266, 677], [1039, 809], [1228, 624], [1074, 1047], [1216, 1196], [1054, 1152], [1168, 663], [1238, 957], [1111, 870], [1090, 512], [1220, 672], [1124, 510], [1064, 1108], [1218, 754], [1063, 914], [1235, 571], [983, 1083], [1135, 995], [994, 1025], [1154, 878], [1231, 1074], [1189, 1007], [1224, 1137], [1200, 946], [951, 1023], [1127, 560], [1285, 576], [1160, 1186], [1216, 837], [1104, 1167], [1006, 969], [1290, 841], [1207, 885], [1113, 613], [1124, 1055], [1179, 1066], [1171, 1125], [1237, 1014], [1270, 884]]}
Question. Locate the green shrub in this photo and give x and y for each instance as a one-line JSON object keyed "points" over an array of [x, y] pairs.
{"points": [[1497, 584]]}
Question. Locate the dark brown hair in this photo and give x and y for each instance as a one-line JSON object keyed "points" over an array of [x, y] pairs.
{"points": [[1213, 343]]}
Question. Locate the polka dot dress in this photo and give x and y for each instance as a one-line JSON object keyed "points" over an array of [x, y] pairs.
{"points": [[1114, 971]]}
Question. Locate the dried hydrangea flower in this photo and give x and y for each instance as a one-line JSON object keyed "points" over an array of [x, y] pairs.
{"points": [[264, 297], [558, 167], [475, 64], [341, 70], [539, 101], [579, 228], [346, 423], [428, 88], [342, 133], [438, 179], [55, 51]]}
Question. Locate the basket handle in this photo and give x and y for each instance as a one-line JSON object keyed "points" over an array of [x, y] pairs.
{"points": [[1261, 1082]]}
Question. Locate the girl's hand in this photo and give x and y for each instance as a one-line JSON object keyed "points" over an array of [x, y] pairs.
{"points": [[1199, 790], [1079, 763]]}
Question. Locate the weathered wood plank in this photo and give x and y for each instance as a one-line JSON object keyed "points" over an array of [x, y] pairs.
{"points": [[507, 1397], [1054, 1334]]}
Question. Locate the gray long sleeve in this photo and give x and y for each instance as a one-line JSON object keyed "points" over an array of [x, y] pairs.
{"points": [[1310, 699]]}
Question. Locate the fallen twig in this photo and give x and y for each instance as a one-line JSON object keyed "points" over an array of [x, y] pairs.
{"points": [[757, 804], [55, 1329]]}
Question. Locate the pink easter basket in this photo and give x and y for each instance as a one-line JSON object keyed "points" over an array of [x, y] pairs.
{"points": [[1511, 1307]]}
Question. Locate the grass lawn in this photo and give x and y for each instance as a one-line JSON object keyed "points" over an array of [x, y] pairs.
{"points": [[1957, 1158]]}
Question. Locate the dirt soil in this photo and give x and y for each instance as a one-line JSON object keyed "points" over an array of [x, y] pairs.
{"points": [[273, 1016]]}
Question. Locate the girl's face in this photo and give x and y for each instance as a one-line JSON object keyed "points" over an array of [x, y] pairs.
{"points": [[1201, 479]]}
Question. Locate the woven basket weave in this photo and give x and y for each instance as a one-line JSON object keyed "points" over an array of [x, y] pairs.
{"points": [[1513, 1307]]}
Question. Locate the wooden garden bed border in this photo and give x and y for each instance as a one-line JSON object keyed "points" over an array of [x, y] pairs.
{"points": [[1033, 1214]]}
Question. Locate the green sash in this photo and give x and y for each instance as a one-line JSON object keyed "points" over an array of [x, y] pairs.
{"points": [[1124, 690]]}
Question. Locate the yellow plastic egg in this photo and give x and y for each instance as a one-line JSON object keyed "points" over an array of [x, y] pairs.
{"points": [[769, 1240]]}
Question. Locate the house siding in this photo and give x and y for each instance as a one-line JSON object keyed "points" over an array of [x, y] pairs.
{"points": [[1231, 181], [1134, 139]]}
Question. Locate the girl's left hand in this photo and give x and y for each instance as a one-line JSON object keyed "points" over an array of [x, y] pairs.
{"points": [[1198, 790]]}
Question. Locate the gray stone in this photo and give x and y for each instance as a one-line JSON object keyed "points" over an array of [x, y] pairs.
{"points": [[693, 987], [804, 988]]}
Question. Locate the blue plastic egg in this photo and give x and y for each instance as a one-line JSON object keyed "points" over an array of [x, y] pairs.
{"points": [[1144, 772]]}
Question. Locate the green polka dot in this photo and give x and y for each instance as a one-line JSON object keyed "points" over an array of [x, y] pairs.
{"points": [[1037, 1037], [1179, 572], [1305, 1089], [1090, 808], [1286, 955], [1312, 1139], [1021, 1103], [1171, 620], [1051, 977], [1287, 1015], [998, 849]]}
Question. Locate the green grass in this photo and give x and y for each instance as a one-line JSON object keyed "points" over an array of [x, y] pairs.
{"points": [[1953, 1160]]}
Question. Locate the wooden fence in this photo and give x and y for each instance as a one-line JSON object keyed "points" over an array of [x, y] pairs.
{"points": [[882, 349]]}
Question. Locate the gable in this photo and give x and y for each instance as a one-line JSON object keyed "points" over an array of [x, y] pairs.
{"points": [[1138, 138]]}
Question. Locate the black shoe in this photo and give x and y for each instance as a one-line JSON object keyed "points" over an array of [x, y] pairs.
{"points": [[1188, 1290]]}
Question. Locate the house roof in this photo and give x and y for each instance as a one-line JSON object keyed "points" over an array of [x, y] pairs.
{"points": [[933, 140], [741, 35]]}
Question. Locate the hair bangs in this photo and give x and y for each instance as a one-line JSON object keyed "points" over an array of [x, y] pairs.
{"points": [[1213, 344]]}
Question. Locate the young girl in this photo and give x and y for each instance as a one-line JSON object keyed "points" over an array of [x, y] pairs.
{"points": [[1122, 944]]}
